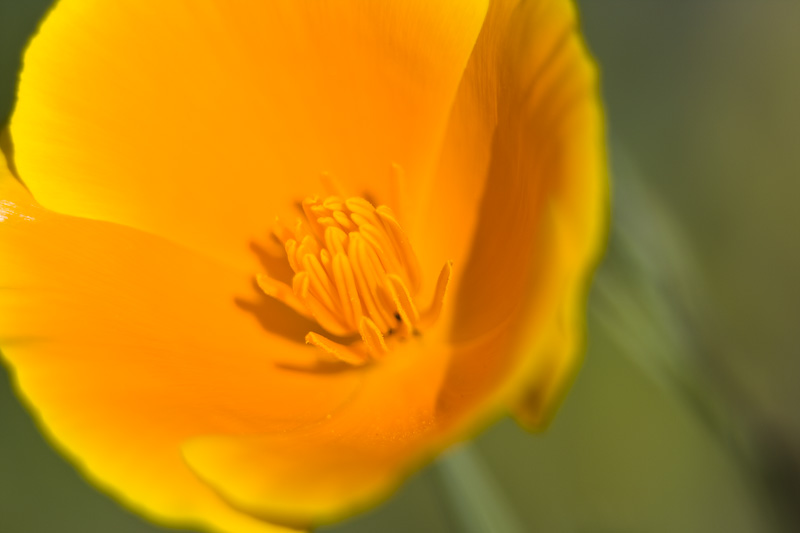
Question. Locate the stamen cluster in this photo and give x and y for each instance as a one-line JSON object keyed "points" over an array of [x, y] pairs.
{"points": [[355, 272]]}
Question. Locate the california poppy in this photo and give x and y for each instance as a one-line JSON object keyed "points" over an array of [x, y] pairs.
{"points": [[175, 305]]}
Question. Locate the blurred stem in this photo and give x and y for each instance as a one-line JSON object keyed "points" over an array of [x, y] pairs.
{"points": [[476, 503], [649, 297]]}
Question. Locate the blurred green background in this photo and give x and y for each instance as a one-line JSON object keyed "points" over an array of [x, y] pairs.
{"points": [[685, 415]]}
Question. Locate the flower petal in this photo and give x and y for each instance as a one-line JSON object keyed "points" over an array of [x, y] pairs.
{"points": [[524, 163], [201, 121], [321, 473], [127, 345]]}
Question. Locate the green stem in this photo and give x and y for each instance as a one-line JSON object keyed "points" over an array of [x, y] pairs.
{"points": [[476, 502]]}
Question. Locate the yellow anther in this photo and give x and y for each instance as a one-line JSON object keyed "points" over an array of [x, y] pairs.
{"points": [[431, 315], [402, 247], [344, 221], [359, 206], [301, 230], [356, 274], [300, 285], [373, 338], [319, 282], [404, 300], [326, 318], [327, 222], [339, 351], [384, 248], [335, 240], [291, 248], [333, 203], [325, 259], [346, 287], [311, 210], [376, 279], [317, 209], [284, 293], [361, 220], [308, 246], [366, 290]]}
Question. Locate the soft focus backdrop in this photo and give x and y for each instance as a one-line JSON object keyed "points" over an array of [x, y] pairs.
{"points": [[685, 415]]}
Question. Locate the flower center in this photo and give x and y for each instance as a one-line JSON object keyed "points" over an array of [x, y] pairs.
{"points": [[355, 273]]}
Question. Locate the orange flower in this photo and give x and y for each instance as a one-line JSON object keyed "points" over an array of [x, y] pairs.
{"points": [[157, 143]]}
